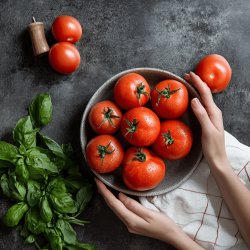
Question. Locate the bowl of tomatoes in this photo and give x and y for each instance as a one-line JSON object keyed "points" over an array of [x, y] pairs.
{"points": [[138, 133]]}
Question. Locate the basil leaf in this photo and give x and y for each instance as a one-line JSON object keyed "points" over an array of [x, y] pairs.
{"points": [[69, 234], [14, 214], [57, 186], [4, 182], [18, 190], [4, 166], [56, 242], [40, 110], [37, 159], [83, 246], [37, 174], [52, 145], [63, 203], [24, 134], [8, 152], [30, 239], [33, 222], [45, 210], [74, 183], [71, 165], [83, 197], [21, 170], [34, 193]]}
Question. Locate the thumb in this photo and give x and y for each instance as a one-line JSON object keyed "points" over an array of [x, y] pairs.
{"points": [[201, 114]]}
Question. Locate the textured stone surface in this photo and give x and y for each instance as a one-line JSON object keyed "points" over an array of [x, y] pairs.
{"points": [[118, 35]]}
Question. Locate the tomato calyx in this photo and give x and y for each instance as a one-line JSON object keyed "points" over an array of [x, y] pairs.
{"points": [[132, 126], [168, 138], [166, 92], [108, 116], [140, 155], [103, 151], [140, 91]]}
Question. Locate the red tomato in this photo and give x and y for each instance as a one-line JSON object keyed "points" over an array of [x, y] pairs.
{"points": [[66, 29], [131, 90], [64, 57], [140, 126], [105, 117], [104, 153], [142, 169], [174, 141], [215, 71], [169, 99]]}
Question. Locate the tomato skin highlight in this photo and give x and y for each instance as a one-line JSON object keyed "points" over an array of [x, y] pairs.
{"points": [[98, 120], [142, 176], [182, 142], [175, 104], [111, 161], [146, 130], [215, 71], [125, 91], [64, 58], [66, 29]]}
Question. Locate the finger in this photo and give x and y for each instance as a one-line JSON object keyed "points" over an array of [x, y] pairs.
{"points": [[203, 89], [135, 207], [201, 114], [207, 100], [117, 206]]}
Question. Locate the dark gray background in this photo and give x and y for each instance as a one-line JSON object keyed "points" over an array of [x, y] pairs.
{"points": [[118, 35]]}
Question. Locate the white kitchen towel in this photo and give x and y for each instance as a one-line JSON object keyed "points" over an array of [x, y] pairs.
{"points": [[197, 206]]}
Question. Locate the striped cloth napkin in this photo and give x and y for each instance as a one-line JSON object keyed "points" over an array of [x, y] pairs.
{"points": [[197, 206]]}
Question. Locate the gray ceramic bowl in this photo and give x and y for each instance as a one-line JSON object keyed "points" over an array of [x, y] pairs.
{"points": [[177, 171]]}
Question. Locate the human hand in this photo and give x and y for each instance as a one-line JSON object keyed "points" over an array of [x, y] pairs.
{"points": [[211, 121], [143, 221]]}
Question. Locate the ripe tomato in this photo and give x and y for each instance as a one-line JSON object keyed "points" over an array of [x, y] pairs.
{"points": [[174, 141], [64, 57], [215, 71], [142, 169], [140, 126], [131, 90], [105, 117], [169, 99], [104, 153], [66, 29]]}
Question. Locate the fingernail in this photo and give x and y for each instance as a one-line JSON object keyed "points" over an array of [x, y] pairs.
{"points": [[195, 101], [186, 75]]}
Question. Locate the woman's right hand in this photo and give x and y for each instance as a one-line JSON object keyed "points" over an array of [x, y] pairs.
{"points": [[210, 119]]}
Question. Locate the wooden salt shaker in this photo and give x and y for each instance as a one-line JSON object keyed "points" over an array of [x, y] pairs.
{"points": [[39, 42]]}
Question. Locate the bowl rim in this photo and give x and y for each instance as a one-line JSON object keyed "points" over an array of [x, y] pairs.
{"points": [[85, 118]]}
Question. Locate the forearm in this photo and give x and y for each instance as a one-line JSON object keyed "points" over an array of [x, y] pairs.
{"points": [[235, 194]]}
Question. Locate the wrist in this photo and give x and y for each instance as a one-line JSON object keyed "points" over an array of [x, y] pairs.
{"points": [[219, 163], [181, 240]]}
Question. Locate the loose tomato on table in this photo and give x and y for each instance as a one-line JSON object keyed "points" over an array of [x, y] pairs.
{"points": [[64, 57], [131, 90], [66, 29], [169, 99], [142, 169], [215, 71], [174, 141], [104, 153], [140, 126], [105, 117]]}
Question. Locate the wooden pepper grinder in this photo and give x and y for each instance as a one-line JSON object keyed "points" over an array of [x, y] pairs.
{"points": [[39, 42]]}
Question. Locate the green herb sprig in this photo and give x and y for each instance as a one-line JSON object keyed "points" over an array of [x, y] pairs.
{"points": [[43, 180]]}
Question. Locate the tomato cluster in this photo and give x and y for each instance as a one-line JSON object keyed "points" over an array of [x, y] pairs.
{"points": [[64, 57], [156, 125]]}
